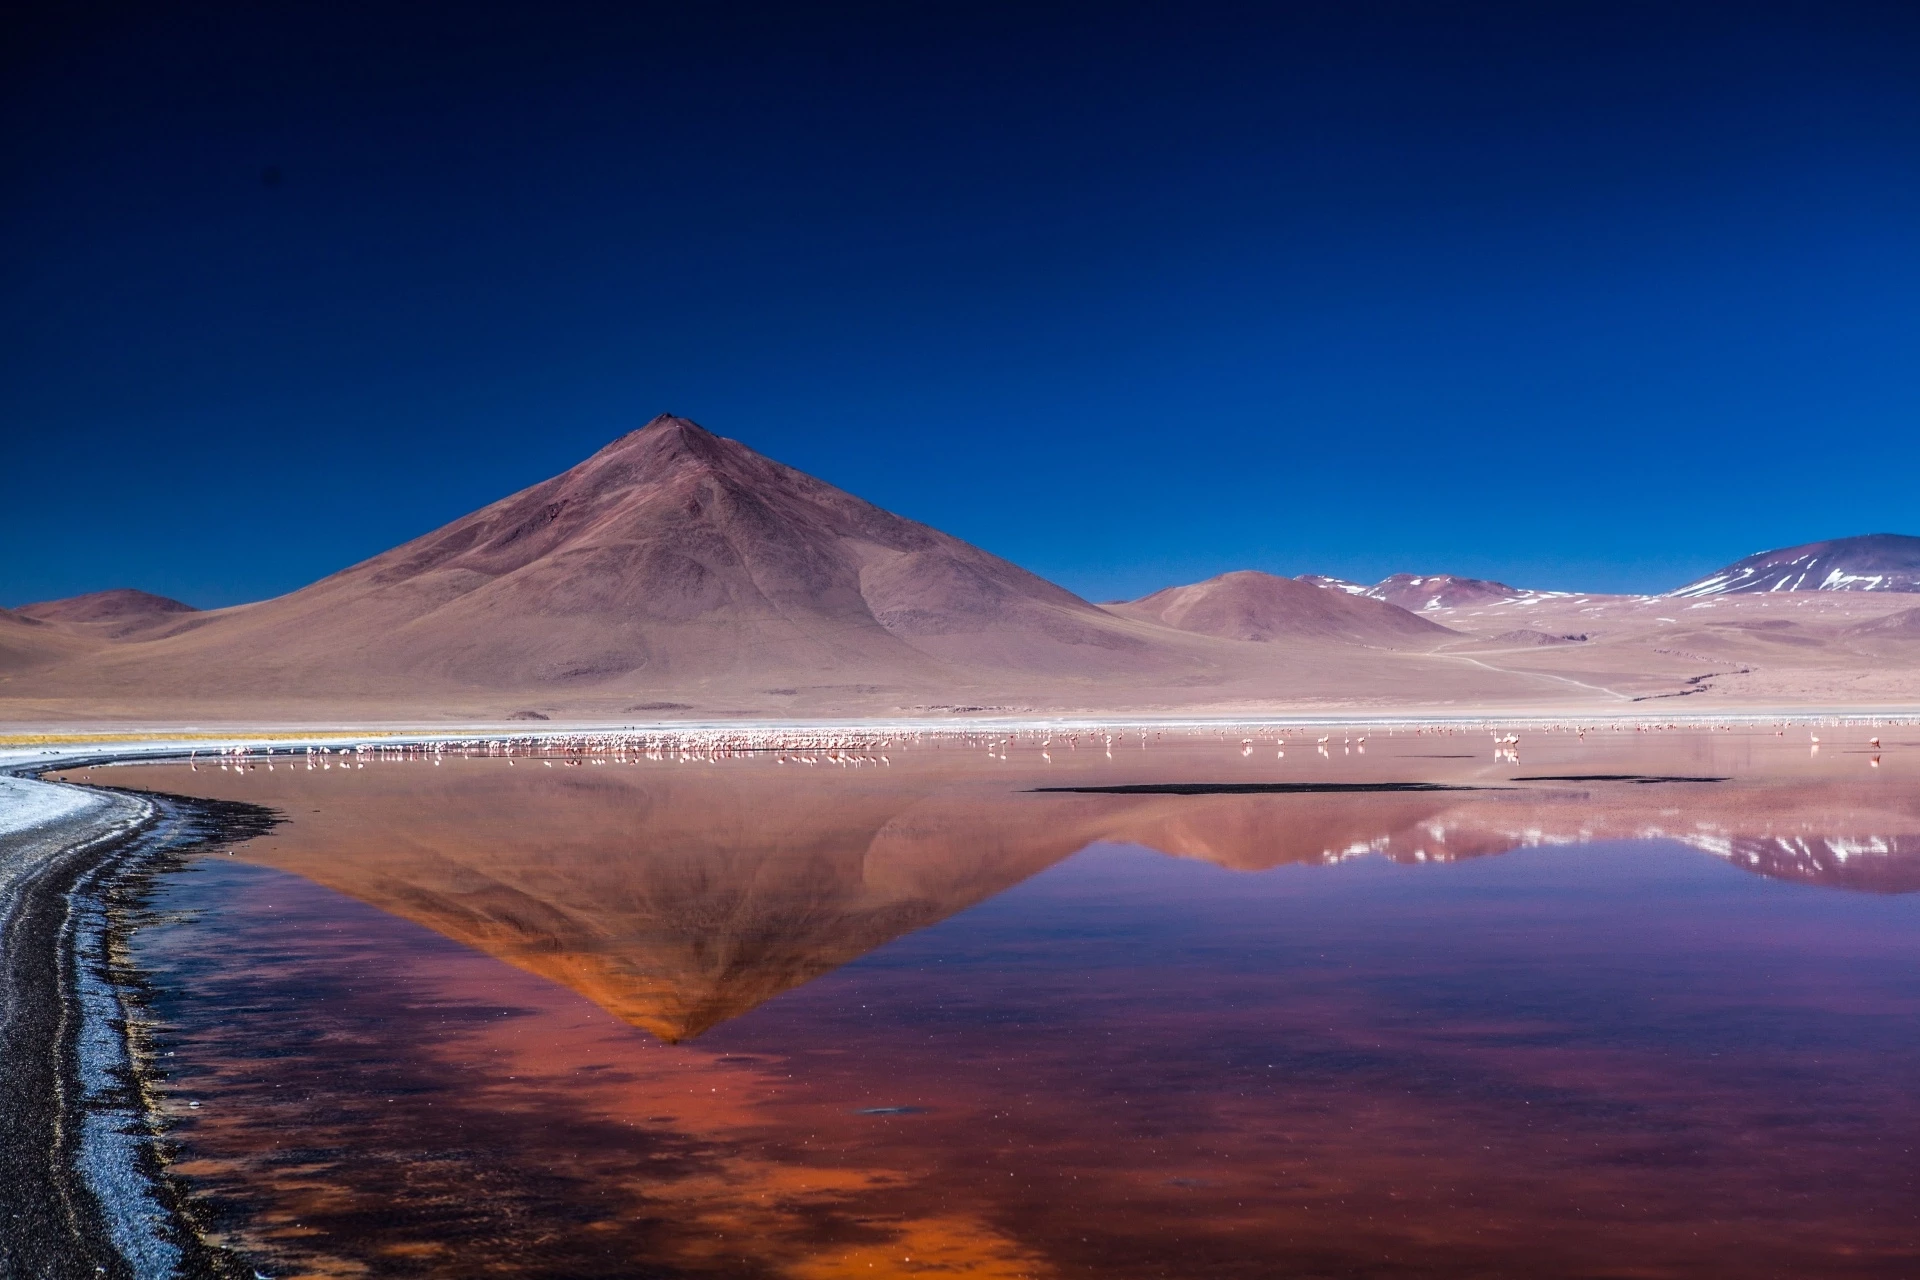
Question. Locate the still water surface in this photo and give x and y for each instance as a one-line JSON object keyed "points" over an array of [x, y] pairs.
{"points": [[752, 1018]]}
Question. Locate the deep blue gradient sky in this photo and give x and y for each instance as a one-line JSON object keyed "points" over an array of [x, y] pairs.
{"points": [[1596, 296]]}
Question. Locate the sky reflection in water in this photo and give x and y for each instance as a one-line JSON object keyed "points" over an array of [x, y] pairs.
{"points": [[749, 1020]]}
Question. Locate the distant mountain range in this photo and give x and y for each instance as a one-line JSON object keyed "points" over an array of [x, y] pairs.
{"points": [[1424, 592], [674, 561], [1868, 562]]}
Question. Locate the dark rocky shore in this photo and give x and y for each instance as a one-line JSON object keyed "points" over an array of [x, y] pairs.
{"points": [[83, 1180]]}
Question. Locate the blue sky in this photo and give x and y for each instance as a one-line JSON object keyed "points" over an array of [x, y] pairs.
{"points": [[1595, 296]]}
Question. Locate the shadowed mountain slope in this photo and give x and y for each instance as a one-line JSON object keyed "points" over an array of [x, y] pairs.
{"points": [[1869, 562], [1250, 605]]}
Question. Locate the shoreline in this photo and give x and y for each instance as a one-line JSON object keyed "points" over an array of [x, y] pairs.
{"points": [[82, 1150]]}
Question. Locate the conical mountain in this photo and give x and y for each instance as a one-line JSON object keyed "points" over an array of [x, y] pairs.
{"points": [[672, 556]]}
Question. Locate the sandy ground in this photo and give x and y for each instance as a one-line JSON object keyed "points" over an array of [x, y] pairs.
{"points": [[1755, 654], [1724, 653]]}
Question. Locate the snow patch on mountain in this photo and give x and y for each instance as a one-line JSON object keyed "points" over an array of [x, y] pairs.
{"points": [[1870, 562]]}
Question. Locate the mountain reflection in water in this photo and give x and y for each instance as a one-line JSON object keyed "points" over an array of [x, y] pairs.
{"points": [[1573, 1062], [677, 898]]}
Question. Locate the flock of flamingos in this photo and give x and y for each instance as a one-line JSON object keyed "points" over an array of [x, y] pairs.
{"points": [[844, 748]]}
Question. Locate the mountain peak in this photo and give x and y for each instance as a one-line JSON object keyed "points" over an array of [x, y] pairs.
{"points": [[667, 452], [1868, 562], [663, 425], [664, 435], [674, 556]]}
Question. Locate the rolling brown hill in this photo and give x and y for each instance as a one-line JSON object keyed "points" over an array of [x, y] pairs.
{"points": [[114, 615], [1904, 625], [1250, 605]]}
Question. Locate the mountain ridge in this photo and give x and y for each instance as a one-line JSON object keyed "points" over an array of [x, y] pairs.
{"points": [[1862, 562]]}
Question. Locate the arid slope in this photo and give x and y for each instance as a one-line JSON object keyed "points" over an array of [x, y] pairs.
{"points": [[27, 645]]}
